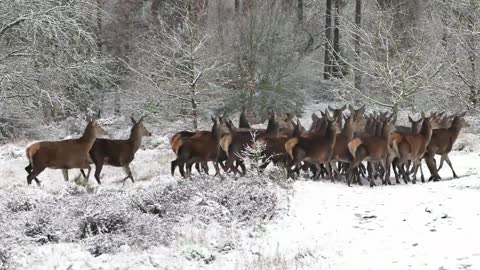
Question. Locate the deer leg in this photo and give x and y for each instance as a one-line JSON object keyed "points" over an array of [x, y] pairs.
{"points": [[395, 170], [422, 177], [173, 165], [197, 167], [128, 171], [217, 169], [98, 170], [242, 166], [205, 167], [447, 159], [334, 168], [442, 159], [415, 171], [65, 174], [181, 167], [430, 160], [33, 175], [329, 168]]}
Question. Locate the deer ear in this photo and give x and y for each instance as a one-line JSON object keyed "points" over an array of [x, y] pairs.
{"points": [[463, 114], [141, 119], [133, 120], [351, 108], [410, 119], [214, 119], [330, 108], [362, 109], [393, 118], [314, 117], [343, 108]]}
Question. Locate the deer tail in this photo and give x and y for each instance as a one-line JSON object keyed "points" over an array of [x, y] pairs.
{"points": [[30, 152], [176, 142], [290, 145], [225, 142], [352, 146]]}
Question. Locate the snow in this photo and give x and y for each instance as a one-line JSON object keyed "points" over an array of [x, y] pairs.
{"points": [[317, 225]]}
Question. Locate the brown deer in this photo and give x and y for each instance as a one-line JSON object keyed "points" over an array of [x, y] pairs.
{"points": [[315, 148], [66, 154], [411, 147], [201, 148], [441, 144], [118, 153], [340, 150], [373, 148], [177, 140]]}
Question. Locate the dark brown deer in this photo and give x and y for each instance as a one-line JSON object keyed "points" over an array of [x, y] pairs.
{"points": [[177, 140], [242, 121], [441, 144], [66, 154], [118, 153], [316, 148], [373, 148], [202, 148]]}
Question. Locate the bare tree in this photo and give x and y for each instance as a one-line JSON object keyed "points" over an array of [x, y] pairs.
{"points": [[327, 70], [177, 65], [356, 41], [50, 66], [396, 75]]}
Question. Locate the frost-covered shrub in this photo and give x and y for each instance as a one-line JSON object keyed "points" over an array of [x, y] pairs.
{"points": [[248, 200], [4, 257], [110, 220], [20, 204]]}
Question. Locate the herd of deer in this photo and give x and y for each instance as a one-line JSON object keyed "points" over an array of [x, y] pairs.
{"points": [[335, 145]]}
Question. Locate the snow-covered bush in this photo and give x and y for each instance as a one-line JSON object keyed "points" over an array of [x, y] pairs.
{"points": [[110, 220], [4, 256]]}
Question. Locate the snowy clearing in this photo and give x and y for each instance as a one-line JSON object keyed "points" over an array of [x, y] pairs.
{"points": [[314, 224]]}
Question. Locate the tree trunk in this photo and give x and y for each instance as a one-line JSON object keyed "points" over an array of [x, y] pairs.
{"points": [[300, 11], [99, 21], [472, 56], [237, 6], [336, 69], [194, 107], [328, 44], [358, 25]]}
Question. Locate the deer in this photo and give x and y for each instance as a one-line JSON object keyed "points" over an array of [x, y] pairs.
{"points": [[441, 143], [201, 148], [337, 114], [65, 154], [373, 148], [411, 147], [242, 121], [236, 141], [353, 123], [118, 153], [315, 148], [177, 140], [340, 150]]}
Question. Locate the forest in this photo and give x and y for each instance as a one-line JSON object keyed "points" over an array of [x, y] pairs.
{"points": [[184, 60]]}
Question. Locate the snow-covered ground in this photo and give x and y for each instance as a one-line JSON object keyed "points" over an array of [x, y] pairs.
{"points": [[315, 224]]}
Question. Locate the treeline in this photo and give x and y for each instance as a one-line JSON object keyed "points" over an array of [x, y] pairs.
{"points": [[186, 59]]}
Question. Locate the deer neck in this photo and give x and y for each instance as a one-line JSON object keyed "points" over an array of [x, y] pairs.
{"points": [[135, 140], [426, 131], [455, 130], [347, 131], [88, 138]]}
